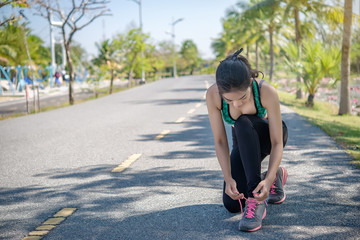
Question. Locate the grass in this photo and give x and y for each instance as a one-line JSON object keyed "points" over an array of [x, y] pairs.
{"points": [[345, 129]]}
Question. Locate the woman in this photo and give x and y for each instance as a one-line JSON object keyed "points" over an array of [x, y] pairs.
{"points": [[252, 107]]}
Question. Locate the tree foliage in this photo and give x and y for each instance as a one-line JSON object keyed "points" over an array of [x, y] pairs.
{"points": [[13, 3], [12, 46], [190, 54], [76, 17], [279, 28]]}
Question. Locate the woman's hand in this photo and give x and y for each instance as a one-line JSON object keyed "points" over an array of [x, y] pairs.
{"points": [[231, 190], [261, 192]]}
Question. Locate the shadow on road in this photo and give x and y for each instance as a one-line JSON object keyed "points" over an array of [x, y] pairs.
{"points": [[195, 134], [322, 200]]}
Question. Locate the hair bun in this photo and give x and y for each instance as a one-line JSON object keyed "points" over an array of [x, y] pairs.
{"points": [[236, 54]]}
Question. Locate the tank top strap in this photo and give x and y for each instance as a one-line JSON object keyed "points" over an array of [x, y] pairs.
{"points": [[261, 111]]}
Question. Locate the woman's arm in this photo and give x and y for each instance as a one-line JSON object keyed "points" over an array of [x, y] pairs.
{"points": [[213, 102], [270, 100]]}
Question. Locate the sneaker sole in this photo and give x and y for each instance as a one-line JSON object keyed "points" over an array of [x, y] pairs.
{"points": [[285, 178]]}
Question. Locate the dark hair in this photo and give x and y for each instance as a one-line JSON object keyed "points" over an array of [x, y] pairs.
{"points": [[234, 72]]}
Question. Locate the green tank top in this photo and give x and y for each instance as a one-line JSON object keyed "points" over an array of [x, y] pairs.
{"points": [[260, 110]]}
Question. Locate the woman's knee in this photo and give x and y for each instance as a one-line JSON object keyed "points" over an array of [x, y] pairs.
{"points": [[243, 121], [231, 205], [243, 125]]}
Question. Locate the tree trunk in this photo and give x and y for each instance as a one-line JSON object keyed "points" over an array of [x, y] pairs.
{"points": [[70, 68], [344, 107], [111, 81], [299, 94], [271, 53], [257, 55], [130, 78], [298, 38], [310, 100]]}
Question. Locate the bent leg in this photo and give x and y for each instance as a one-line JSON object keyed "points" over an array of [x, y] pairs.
{"points": [[238, 174], [250, 152]]}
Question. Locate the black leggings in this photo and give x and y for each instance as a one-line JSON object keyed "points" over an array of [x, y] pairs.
{"points": [[251, 144]]}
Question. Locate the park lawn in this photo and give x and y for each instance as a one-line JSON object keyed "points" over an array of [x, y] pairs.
{"points": [[345, 130]]}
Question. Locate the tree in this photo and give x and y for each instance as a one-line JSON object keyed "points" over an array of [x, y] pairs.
{"points": [[130, 46], [355, 51], [224, 45], [345, 60], [154, 62], [73, 20], [269, 11], [318, 62], [293, 10], [12, 46], [107, 56], [248, 28], [292, 59], [40, 54], [13, 3], [190, 54], [165, 55]]}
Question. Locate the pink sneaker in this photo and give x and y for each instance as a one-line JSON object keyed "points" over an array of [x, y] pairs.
{"points": [[277, 194], [253, 215]]}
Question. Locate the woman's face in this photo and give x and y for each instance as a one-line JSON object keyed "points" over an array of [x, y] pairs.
{"points": [[237, 97]]}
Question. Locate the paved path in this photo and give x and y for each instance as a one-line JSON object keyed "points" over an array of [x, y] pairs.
{"points": [[57, 97], [64, 158]]}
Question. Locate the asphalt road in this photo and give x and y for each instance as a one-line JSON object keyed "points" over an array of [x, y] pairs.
{"points": [[64, 158], [46, 100]]}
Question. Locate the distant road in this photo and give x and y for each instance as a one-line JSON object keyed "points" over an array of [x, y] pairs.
{"points": [[19, 105]]}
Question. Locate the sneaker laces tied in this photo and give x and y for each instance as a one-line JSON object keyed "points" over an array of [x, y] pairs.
{"points": [[251, 203], [273, 187]]}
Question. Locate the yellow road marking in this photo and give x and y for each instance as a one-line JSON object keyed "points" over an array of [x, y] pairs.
{"points": [[180, 120], [50, 224], [127, 163], [198, 105], [32, 238], [38, 233], [204, 97], [191, 111], [54, 221], [162, 134], [65, 212], [45, 227]]}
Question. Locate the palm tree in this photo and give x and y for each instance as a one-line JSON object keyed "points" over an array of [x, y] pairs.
{"points": [[292, 58], [355, 50], [12, 46], [345, 60], [107, 56], [268, 12], [224, 45], [307, 7], [249, 29], [317, 62]]}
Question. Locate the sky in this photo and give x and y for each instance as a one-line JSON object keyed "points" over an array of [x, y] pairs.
{"points": [[201, 22]]}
